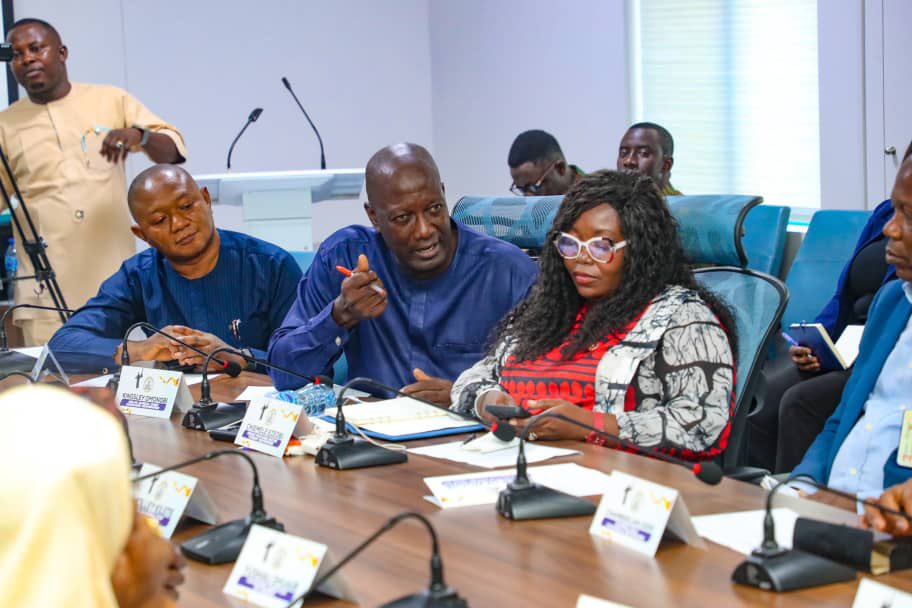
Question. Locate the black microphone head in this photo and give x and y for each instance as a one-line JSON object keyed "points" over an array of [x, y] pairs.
{"points": [[286, 83], [708, 472], [255, 114], [503, 431], [232, 369]]}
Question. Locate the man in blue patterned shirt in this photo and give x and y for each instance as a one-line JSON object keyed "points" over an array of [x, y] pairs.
{"points": [[212, 288], [412, 300]]}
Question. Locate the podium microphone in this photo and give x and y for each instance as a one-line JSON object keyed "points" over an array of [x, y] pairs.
{"points": [[3, 342], [222, 544], [307, 116], [437, 595], [524, 499], [774, 568], [254, 115]]}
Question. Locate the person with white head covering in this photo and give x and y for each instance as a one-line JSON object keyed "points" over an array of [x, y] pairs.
{"points": [[69, 531]]}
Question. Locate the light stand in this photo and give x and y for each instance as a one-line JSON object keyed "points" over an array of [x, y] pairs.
{"points": [[222, 544], [33, 245]]}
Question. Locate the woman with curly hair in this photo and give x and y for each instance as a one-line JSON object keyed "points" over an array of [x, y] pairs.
{"points": [[616, 332]]}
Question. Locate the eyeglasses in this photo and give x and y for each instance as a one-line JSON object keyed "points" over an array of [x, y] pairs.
{"points": [[600, 248], [535, 188]]}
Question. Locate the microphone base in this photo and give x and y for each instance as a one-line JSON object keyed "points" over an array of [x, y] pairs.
{"points": [[790, 570], [206, 418], [539, 502], [357, 454], [222, 544], [447, 598]]}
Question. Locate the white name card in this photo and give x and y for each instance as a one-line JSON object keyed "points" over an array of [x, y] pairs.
{"points": [[635, 513], [144, 391], [871, 593], [274, 568], [166, 497], [268, 425]]}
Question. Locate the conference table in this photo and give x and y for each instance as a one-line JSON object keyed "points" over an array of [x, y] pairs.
{"points": [[489, 560]]}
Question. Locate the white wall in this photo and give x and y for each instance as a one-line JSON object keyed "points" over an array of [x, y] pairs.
{"points": [[840, 40], [501, 67], [360, 67], [461, 76]]}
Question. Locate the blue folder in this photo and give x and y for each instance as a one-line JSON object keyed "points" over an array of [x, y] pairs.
{"points": [[426, 435]]}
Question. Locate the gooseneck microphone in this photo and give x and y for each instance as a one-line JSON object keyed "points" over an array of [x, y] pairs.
{"points": [[222, 544], [254, 115], [206, 414], [307, 116], [524, 499], [775, 568], [345, 451], [437, 595], [3, 342]]}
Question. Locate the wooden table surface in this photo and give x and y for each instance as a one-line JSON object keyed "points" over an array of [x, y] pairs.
{"points": [[489, 560]]}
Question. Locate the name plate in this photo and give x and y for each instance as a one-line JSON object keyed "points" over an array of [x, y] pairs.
{"points": [[273, 568], [635, 513], [872, 593], [268, 425], [144, 391], [166, 497]]}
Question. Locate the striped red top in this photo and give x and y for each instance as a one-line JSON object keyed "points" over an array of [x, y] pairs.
{"points": [[550, 376]]}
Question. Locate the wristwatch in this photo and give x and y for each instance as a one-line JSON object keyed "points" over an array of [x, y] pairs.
{"points": [[145, 135]]}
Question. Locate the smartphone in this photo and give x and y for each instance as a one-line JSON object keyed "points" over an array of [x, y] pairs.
{"points": [[506, 412]]}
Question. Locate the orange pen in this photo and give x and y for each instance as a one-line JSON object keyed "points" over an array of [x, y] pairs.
{"points": [[349, 273]]}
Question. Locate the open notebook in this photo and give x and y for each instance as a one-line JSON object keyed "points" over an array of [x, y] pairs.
{"points": [[840, 355], [402, 419]]}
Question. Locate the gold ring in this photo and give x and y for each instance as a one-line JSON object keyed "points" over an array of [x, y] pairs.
{"points": [[119, 144], [533, 436]]}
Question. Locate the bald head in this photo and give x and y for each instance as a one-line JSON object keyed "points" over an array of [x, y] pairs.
{"points": [[172, 213], [382, 169], [149, 184], [407, 206]]}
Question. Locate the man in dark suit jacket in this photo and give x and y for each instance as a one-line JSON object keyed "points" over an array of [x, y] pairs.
{"points": [[858, 449]]}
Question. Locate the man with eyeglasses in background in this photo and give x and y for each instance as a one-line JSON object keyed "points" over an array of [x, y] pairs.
{"points": [[67, 143], [538, 167]]}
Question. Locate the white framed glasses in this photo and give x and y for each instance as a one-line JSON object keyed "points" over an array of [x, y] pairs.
{"points": [[600, 248]]}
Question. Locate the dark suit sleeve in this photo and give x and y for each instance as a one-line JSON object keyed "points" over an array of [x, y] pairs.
{"points": [[98, 327]]}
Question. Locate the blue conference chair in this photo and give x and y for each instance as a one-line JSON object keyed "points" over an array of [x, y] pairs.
{"points": [[303, 258], [765, 232], [521, 220], [711, 229], [825, 250]]}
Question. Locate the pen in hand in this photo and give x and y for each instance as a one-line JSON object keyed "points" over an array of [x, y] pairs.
{"points": [[349, 273], [789, 339]]}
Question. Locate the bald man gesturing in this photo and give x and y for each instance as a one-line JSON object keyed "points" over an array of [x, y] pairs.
{"points": [[425, 291], [214, 288]]}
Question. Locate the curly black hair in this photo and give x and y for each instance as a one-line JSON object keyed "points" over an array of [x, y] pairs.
{"points": [[653, 260]]}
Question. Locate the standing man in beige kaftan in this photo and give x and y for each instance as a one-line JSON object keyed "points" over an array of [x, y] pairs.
{"points": [[66, 145]]}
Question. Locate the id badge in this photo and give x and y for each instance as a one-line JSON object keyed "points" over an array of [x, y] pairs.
{"points": [[904, 454]]}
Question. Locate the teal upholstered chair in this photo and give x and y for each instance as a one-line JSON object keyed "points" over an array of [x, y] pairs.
{"points": [[825, 250], [521, 220], [765, 231], [711, 229], [303, 258]]}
